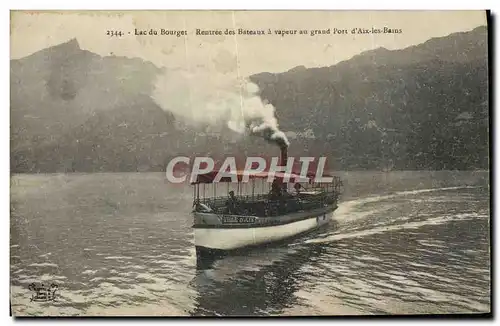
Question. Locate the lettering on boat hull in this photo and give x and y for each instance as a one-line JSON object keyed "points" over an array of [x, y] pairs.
{"points": [[232, 219], [210, 220], [227, 238]]}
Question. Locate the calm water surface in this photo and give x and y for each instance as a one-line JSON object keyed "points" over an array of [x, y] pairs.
{"points": [[122, 244]]}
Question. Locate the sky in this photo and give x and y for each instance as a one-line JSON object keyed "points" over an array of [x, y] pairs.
{"points": [[242, 55]]}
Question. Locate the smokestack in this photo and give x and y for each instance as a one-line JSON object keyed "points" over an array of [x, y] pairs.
{"points": [[271, 135], [284, 155]]}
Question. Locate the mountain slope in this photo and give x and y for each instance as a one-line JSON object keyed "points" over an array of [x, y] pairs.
{"points": [[423, 107]]}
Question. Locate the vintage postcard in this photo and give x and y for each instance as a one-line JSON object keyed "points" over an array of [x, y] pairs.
{"points": [[249, 163]]}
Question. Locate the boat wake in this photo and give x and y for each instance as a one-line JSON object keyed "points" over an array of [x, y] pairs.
{"points": [[346, 209], [351, 211], [409, 225]]}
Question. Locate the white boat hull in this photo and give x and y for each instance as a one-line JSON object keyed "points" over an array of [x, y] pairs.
{"points": [[234, 238]]}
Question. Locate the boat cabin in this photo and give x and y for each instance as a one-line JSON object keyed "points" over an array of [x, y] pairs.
{"points": [[260, 198]]}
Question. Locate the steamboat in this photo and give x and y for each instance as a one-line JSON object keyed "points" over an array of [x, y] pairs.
{"points": [[257, 212]]}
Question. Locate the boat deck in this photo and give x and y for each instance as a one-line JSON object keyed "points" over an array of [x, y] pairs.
{"points": [[263, 205]]}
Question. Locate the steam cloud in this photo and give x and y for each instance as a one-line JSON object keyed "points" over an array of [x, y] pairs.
{"points": [[208, 98]]}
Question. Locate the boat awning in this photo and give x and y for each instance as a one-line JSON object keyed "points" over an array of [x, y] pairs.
{"points": [[292, 177]]}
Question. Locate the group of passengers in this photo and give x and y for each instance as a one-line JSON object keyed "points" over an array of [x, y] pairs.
{"points": [[278, 194]]}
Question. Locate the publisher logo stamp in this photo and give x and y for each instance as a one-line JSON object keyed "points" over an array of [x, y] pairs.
{"points": [[43, 292]]}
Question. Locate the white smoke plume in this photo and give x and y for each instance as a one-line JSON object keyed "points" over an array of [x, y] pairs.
{"points": [[207, 98]]}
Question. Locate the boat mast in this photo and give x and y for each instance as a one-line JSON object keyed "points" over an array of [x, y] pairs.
{"points": [[194, 195], [197, 193], [253, 188]]}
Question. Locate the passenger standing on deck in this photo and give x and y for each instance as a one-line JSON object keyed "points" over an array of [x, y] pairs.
{"points": [[232, 203], [276, 190], [298, 188]]}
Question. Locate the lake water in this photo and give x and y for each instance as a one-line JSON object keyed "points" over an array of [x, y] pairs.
{"points": [[122, 244]]}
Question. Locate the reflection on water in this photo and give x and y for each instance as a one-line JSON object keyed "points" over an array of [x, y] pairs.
{"points": [[258, 281], [122, 244]]}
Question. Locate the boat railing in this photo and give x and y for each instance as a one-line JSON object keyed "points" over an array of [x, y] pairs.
{"points": [[264, 205]]}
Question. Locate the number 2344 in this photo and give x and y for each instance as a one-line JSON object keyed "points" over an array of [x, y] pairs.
{"points": [[115, 33]]}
